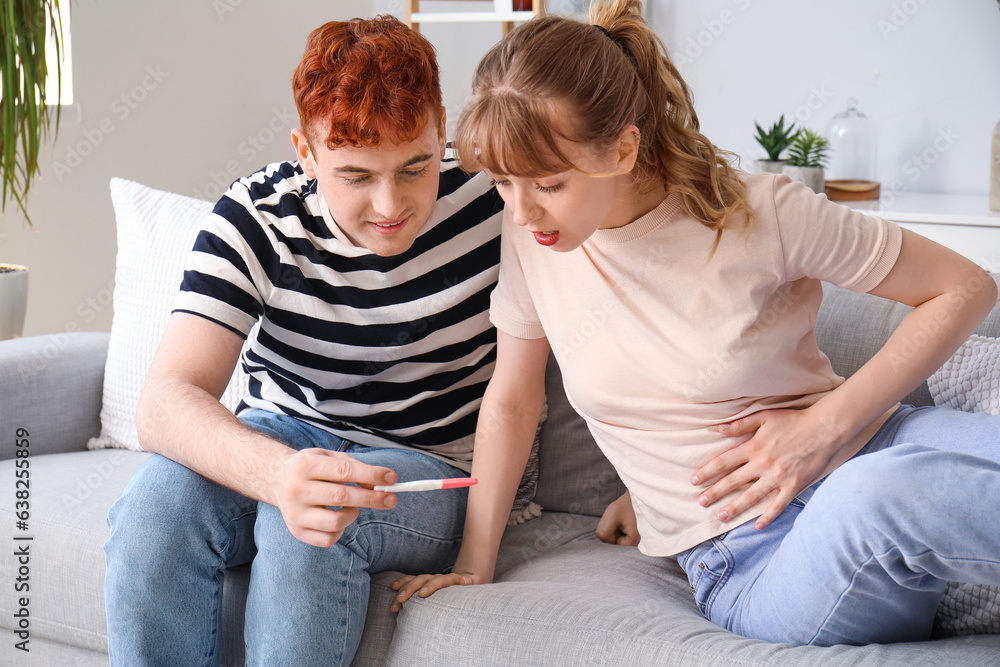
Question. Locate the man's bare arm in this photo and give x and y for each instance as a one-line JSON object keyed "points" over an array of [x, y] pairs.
{"points": [[180, 417]]}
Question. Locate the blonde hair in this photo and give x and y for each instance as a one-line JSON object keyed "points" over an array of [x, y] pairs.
{"points": [[554, 77]]}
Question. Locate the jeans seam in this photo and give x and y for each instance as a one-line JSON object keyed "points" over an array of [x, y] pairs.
{"points": [[382, 525], [724, 577], [228, 542], [349, 607]]}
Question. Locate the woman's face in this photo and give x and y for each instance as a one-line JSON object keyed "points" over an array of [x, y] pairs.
{"points": [[563, 210]]}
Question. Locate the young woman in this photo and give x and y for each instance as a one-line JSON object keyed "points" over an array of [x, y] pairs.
{"points": [[679, 296]]}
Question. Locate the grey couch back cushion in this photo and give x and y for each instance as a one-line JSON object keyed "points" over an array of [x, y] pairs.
{"points": [[575, 477]]}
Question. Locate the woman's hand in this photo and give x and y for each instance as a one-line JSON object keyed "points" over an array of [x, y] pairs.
{"points": [[508, 419], [618, 524], [789, 451], [426, 584]]}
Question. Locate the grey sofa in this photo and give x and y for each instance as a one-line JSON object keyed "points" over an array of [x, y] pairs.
{"points": [[561, 598]]}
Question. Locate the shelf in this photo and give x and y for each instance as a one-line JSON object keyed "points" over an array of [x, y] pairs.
{"points": [[933, 208], [470, 17], [507, 19]]}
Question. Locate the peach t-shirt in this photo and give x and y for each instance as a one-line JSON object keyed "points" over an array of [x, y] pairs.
{"points": [[658, 345]]}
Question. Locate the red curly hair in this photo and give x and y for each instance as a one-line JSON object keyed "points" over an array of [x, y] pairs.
{"points": [[366, 81]]}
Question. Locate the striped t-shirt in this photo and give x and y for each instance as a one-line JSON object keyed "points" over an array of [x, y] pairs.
{"points": [[383, 351]]}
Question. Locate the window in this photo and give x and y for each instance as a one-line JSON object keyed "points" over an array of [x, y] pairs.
{"points": [[66, 96]]}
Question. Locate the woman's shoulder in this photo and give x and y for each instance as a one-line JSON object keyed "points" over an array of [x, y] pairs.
{"points": [[761, 188]]}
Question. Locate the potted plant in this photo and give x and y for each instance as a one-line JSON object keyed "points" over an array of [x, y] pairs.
{"points": [[774, 141], [26, 28], [807, 156]]}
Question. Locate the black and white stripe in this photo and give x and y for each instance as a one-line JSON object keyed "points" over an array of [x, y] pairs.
{"points": [[384, 351]]}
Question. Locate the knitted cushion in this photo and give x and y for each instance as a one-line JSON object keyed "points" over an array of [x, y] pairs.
{"points": [[970, 379]]}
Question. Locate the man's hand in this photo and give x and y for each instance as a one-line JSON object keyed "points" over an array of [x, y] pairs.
{"points": [[312, 481], [618, 524], [424, 585], [788, 451]]}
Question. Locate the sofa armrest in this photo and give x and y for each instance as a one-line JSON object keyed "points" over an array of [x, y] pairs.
{"points": [[51, 386]]}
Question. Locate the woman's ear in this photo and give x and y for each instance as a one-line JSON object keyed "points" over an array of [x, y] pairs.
{"points": [[628, 149]]}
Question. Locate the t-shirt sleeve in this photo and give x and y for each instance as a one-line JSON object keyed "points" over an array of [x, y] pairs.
{"points": [[511, 308], [827, 241], [223, 274]]}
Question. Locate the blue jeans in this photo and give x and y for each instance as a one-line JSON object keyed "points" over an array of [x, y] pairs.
{"points": [[864, 555], [173, 532]]}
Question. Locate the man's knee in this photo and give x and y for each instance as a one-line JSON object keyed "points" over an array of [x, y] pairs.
{"points": [[160, 504]]}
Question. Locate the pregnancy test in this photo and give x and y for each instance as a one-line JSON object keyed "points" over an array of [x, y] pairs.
{"points": [[429, 484]]}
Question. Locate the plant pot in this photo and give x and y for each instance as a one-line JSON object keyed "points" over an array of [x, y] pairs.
{"points": [[811, 176], [13, 300], [768, 166]]}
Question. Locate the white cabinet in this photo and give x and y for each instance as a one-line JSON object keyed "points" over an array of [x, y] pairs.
{"points": [[963, 223]]}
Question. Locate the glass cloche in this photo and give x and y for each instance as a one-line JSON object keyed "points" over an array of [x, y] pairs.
{"points": [[851, 174]]}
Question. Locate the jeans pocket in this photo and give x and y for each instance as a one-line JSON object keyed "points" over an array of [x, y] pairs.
{"points": [[709, 570]]}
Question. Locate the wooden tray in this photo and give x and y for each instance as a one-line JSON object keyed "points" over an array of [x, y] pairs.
{"points": [[852, 190]]}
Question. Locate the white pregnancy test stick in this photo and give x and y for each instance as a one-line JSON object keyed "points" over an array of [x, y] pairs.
{"points": [[429, 484]]}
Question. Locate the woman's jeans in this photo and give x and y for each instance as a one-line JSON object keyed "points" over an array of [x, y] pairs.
{"points": [[173, 532], [864, 556]]}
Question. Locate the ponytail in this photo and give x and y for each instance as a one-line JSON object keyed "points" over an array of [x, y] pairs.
{"points": [[675, 152], [608, 75]]}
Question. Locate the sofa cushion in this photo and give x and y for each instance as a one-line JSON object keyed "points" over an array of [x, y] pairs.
{"points": [[70, 497], [872, 320], [583, 602], [156, 231], [573, 474]]}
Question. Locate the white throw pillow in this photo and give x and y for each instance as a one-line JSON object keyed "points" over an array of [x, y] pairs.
{"points": [[970, 380], [156, 231]]}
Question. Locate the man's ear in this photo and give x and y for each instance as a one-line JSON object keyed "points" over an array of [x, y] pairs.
{"points": [[303, 152], [628, 149]]}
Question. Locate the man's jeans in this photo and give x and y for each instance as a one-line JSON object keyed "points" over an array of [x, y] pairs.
{"points": [[173, 532], [865, 555]]}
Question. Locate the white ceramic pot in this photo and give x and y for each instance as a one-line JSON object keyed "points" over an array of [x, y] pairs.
{"points": [[13, 300], [768, 166], [811, 176]]}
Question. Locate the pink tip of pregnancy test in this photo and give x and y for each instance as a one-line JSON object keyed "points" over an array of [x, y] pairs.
{"points": [[458, 482]]}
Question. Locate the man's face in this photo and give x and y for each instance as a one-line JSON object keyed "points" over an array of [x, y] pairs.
{"points": [[379, 197]]}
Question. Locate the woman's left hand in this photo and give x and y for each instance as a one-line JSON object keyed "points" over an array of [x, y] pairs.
{"points": [[789, 451]]}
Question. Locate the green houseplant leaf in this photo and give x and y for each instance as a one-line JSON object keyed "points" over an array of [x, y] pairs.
{"points": [[776, 139], [27, 117], [808, 149]]}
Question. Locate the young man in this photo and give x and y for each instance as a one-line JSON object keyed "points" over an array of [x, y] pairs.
{"points": [[367, 265]]}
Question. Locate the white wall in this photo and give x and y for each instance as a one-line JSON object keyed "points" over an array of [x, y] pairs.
{"points": [[927, 72], [219, 104], [182, 96]]}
